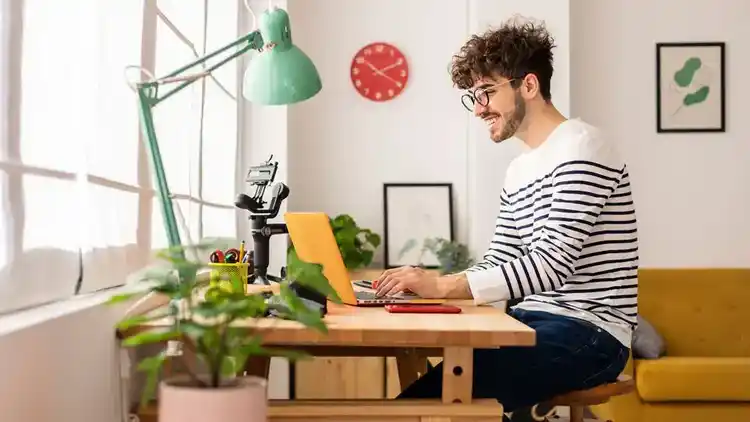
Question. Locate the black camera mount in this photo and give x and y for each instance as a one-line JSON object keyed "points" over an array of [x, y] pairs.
{"points": [[261, 177]]}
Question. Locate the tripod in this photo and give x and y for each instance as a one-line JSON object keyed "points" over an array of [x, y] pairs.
{"points": [[261, 176]]}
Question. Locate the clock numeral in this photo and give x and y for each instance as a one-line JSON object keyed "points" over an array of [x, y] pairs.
{"points": [[379, 48], [392, 52], [403, 73], [358, 83], [391, 93], [355, 71], [378, 95], [360, 60], [367, 91], [368, 51]]}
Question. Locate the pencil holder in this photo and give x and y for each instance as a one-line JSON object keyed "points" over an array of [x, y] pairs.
{"points": [[230, 276]]}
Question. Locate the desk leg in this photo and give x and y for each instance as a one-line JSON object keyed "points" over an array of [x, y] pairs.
{"points": [[411, 365], [258, 366], [458, 369]]}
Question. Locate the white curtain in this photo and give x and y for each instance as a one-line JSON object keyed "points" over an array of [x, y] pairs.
{"points": [[78, 208]]}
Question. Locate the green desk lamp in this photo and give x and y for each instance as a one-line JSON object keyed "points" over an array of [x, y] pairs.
{"points": [[280, 74]]}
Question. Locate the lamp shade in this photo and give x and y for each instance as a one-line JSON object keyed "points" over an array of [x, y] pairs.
{"points": [[281, 73]]}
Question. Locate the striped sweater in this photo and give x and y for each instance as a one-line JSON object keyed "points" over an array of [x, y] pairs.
{"points": [[566, 237]]}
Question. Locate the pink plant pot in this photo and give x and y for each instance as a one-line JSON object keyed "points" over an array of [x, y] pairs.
{"points": [[242, 399]]}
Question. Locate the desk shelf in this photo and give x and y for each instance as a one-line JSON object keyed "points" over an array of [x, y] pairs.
{"points": [[399, 411]]}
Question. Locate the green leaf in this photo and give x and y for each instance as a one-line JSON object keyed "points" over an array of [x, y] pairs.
{"points": [[168, 288], [696, 97], [193, 329], [230, 366], [143, 318], [366, 258], [151, 365], [149, 337], [343, 221], [409, 245], [299, 311], [258, 350], [124, 297], [310, 275], [346, 236], [372, 238]]}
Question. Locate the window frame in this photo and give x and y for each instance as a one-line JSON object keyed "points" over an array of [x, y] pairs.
{"points": [[15, 169]]}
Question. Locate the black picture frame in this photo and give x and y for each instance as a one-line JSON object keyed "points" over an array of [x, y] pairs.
{"points": [[446, 231], [695, 102]]}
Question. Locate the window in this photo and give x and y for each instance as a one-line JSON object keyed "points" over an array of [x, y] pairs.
{"points": [[78, 209]]}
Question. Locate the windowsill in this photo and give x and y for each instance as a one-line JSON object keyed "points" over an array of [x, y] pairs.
{"points": [[25, 319]]}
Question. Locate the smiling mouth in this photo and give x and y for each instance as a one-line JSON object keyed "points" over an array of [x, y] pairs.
{"points": [[490, 121]]}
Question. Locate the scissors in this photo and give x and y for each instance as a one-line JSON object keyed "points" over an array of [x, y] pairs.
{"points": [[230, 256]]}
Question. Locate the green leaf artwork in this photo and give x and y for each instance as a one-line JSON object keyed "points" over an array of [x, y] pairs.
{"points": [[684, 78]]}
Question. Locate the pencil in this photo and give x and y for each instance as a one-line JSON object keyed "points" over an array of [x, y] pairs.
{"points": [[242, 252]]}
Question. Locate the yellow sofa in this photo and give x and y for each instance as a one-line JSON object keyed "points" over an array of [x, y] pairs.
{"points": [[704, 317]]}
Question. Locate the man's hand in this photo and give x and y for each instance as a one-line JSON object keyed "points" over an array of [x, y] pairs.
{"points": [[396, 280]]}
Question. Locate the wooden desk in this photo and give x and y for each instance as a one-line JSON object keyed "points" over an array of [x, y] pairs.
{"points": [[365, 331]]}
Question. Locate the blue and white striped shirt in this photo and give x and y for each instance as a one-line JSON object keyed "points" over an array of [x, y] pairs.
{"points": [[566, 238]]}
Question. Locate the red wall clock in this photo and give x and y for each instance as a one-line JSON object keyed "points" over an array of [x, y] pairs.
{"points": [[379, 71]]}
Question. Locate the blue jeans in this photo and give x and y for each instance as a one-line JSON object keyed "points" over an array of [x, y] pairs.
{"points": [[569, 355]]}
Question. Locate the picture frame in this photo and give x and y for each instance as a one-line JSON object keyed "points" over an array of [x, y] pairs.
{"points": [[690, 87], [412, 213]]}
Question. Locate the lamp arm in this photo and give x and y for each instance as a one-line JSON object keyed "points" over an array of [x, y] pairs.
{"points": [[148, 98]]}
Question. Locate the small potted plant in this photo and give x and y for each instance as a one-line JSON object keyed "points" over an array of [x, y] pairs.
{"points": [[452, 256], [201, 314]]}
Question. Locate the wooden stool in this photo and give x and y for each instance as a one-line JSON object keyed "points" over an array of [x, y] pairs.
{"points": [[578, 401]]}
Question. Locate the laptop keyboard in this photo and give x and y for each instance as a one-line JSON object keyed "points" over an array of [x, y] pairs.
{"points": [[372, 296], [366, 295]]}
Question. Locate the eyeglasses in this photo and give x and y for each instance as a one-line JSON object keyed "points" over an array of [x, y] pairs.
{"points": [[480, 96]]}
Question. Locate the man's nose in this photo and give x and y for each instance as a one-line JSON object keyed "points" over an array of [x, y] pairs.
{"points": [[479, 109]]}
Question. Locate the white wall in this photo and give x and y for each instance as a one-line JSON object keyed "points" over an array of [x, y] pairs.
{"points": [[342, 148], [65, 369], [691, 190]]}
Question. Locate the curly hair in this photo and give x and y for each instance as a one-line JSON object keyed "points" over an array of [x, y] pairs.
{"points": [[516, 49]]}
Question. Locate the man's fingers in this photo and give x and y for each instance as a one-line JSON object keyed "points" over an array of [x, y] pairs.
{"points": [[383, 284], [387, 285], [393, 287], [386, 273], [379, 281]]}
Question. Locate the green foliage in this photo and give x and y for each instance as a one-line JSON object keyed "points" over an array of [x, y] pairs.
{"points": [[203, 314], [453, 257], [357, 245]]}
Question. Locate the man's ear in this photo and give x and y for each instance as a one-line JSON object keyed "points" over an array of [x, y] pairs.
{"points": [[529, 86]]}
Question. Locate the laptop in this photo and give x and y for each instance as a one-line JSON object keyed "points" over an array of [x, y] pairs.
{"points": [[314, 242]]}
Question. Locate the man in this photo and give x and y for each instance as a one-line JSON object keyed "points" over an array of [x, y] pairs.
{"points": [[565, 239]]}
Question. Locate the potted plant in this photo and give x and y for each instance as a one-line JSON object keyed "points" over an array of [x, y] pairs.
{"points": [[452, 256], [357, 244], [201, 313]]}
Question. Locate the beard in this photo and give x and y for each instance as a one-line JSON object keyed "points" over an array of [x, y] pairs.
{"points": [[513, 121]]}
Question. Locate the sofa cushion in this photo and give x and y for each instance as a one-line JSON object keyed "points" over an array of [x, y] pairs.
{"points": [[647, 342], [704, 379]]}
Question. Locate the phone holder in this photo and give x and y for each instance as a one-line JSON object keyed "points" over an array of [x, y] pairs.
{"points": [[261, 177]]}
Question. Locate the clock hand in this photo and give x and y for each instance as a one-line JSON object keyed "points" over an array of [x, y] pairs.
{"points": [[380, 72], [391, 66]]}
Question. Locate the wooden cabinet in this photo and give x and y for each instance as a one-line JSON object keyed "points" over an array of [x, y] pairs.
{"points": [[339, 378]]}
